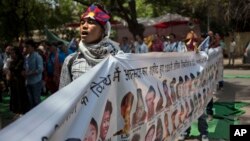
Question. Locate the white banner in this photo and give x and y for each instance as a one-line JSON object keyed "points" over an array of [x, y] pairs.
{"points": [[129, 97]]}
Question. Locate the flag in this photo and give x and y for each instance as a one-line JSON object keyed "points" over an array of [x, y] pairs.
{"points": [[52, 37], [204, 44]]}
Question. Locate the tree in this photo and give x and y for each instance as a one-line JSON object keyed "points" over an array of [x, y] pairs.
{"points": [[9, 19], [219, 15], [239, 12], [20, 17]]}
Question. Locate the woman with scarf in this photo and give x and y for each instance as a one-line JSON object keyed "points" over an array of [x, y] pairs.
{"points": [[94, 46]]}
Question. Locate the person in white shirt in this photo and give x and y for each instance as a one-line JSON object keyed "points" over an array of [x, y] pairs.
{"points": [[166, 43], [141, 46], [125, 45], [172, 44], [232, 48]]}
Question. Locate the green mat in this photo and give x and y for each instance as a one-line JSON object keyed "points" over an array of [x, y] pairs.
{"points": [[4, 109], [225, 114], [236, 76]]}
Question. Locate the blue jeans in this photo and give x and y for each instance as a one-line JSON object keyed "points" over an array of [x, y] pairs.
{"points": [[34, 92], [202, 124]]}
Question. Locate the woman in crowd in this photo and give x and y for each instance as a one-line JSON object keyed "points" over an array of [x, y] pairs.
{"points": [[19, 101]]}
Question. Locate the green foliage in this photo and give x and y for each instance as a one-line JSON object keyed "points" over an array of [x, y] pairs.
{"points": [[144, 9], [20, 17], [223, 15]]}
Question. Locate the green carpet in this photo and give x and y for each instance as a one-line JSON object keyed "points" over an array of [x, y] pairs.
{"points": [[236, 76], [225, 114]]}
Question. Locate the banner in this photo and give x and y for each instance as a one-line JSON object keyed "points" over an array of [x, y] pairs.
{"points": [[129, 97]]}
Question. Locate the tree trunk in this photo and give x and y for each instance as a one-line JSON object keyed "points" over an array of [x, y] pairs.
{"points": [[136, 29]]}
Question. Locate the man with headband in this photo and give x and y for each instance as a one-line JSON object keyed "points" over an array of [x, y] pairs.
{"points": [[94, 46]]}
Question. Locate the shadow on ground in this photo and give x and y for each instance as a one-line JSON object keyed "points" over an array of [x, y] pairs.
{"points": [[230, 90]]}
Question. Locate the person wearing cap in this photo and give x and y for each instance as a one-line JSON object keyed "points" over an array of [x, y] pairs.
{"points": [[94, 45]]}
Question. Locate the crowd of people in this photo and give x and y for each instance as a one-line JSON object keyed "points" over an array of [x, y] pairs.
{"points": [[33, 69], [169, 43], [30, 70]]}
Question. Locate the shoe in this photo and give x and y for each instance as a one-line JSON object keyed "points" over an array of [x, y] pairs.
{"points": [[204, 138], [182, 137], [209, 117]]}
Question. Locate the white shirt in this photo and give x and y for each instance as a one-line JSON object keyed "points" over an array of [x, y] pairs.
{"points": [[142, 48], [232, 46]]}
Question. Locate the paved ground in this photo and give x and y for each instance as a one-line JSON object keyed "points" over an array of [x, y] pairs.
{"points": [[238, 88]]}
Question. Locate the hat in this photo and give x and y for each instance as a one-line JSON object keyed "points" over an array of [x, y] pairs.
{"points": [[96, 13]]}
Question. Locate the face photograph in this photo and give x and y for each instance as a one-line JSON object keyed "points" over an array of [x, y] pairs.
{"points": [[150, 97], [187, 109], [150, 134], [126, 106], [140, 111], [136, 137], [166, 124], [191, 108], [181, 115], [167, 94], [140, 114], [172, 89], [91, 134], [173, 118], [105, 121], [159, 130], [159, 104]]}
